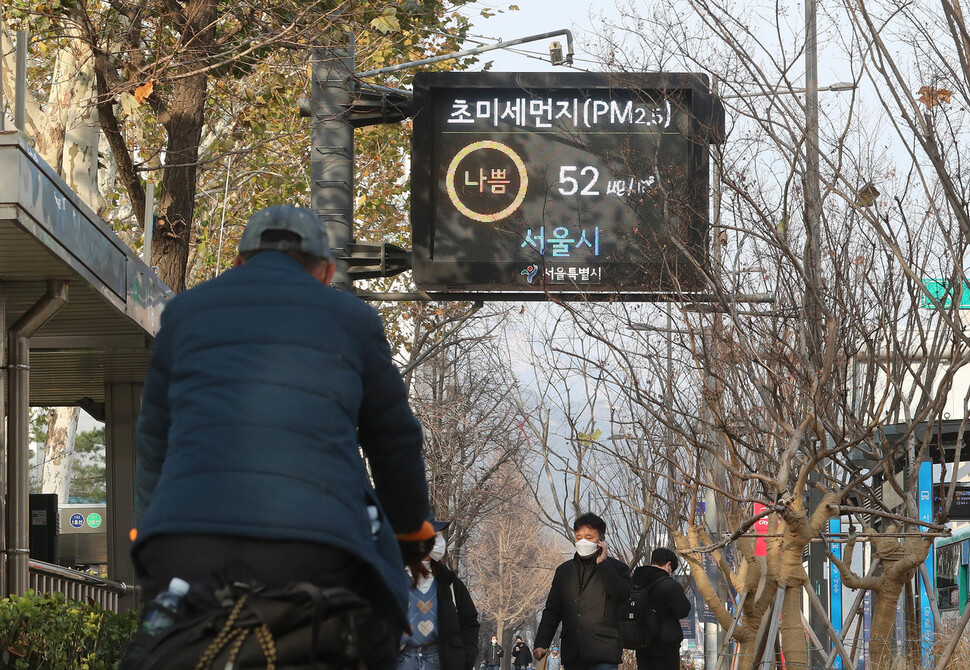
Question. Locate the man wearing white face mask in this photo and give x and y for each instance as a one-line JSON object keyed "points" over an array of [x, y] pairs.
{"points": [[585, 597], [443, 618]]}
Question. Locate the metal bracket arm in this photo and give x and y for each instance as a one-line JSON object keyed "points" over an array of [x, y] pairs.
{"points": [[567, 59], [369, 260], [372, 105]]}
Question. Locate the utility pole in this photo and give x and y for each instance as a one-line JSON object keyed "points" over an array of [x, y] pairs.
{"points": [[813, 196], [338, 104], [813, 277]]}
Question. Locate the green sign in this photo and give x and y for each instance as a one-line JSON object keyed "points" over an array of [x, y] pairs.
{"points": [[942, 291], [94, 519]]}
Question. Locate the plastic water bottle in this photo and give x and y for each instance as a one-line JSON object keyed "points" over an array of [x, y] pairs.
{"points": [[159, 615]]}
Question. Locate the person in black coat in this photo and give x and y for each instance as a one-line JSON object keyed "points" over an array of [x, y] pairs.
{"points": [[494, 654], [446, 637], [521, 655], [671, 604], [585, 597], [457, 619]]}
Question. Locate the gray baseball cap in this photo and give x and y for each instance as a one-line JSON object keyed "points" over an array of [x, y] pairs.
{"points": [[303, 222]]}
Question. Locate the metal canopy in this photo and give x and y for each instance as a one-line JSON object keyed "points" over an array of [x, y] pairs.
{"points": [[944, 437], [103, 334]]}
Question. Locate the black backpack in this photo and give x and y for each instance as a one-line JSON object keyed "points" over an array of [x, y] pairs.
{"points": [[639, 621], [299, 627]]}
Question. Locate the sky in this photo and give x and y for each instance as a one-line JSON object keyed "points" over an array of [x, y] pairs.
{"points": [[580, 16], [532, 17]]}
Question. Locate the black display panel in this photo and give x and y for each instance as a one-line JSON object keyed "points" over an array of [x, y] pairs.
{"points": [[960, 508], [561, 182]]}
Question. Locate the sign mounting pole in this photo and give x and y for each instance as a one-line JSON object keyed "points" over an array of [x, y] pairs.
{"points": [[332, 152]]}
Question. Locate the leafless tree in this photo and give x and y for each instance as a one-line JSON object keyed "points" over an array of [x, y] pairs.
{"points": [[510, 562], [463, 391], [788, 404], [593, 449]]}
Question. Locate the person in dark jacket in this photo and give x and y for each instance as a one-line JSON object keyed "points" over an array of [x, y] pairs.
{"points": [[671, 604], [443, 619], [585, 597], [494, 654], [262, 384], [521, 654]]}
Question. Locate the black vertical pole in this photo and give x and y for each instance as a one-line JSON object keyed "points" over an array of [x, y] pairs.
{"points": [[3, 427], [332, 151], [819, 584]]}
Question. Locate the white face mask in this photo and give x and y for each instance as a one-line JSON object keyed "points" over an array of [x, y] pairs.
{"points": [[438, 551], [586, 548]]}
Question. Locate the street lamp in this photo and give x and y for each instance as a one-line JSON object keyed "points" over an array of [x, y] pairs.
{"points": [[837, 87], [555, 53]]}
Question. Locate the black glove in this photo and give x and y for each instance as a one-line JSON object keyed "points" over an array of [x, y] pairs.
{"points": [[417, 545], [415, 551]]}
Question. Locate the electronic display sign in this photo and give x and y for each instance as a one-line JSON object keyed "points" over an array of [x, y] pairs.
{"points": [[573, 182], [960, 507]]}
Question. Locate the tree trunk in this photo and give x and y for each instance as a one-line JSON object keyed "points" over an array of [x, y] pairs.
{"points": [[883, 623], [499, 633], [508, 641], [747, 654], [36, 119], [82, 131], [793, 631], [58, 455], [912, 642], [73, 133], [899, 563], [745, 631], [184, 121], [67, 136]]}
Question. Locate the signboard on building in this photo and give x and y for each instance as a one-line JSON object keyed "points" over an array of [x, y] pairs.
{"points": [[84, 538], [573, 182], [688, 624]]}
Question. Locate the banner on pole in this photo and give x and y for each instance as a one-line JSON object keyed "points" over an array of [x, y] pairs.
{"points": [[835, 586], [926, 514]]}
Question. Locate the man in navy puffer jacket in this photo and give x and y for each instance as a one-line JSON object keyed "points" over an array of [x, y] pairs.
{"points": [[263, 383]]}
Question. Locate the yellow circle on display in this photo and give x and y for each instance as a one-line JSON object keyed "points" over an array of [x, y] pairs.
{"points": [[453, 192]]}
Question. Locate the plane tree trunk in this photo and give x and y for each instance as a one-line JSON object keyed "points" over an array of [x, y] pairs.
{"points": [[59, 453]]}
